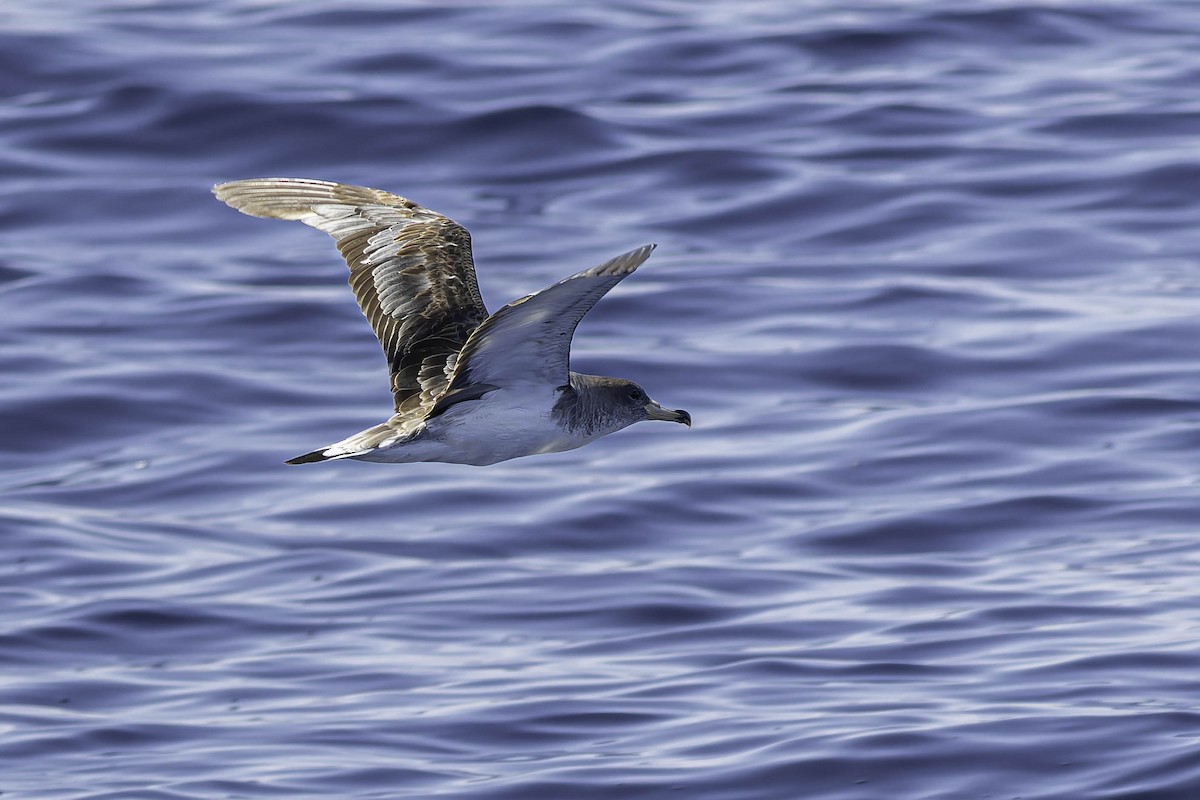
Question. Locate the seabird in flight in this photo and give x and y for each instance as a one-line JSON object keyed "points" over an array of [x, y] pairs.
{"points": [[469, 387]]}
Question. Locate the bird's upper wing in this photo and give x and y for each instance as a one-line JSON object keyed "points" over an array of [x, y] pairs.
{"points": [[529, 340], [410, 268]]}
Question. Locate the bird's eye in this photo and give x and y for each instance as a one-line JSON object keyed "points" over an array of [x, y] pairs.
{"points": [[636, 394]]}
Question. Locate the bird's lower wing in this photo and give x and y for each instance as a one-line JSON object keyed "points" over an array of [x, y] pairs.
{"points": [[529, 340]]}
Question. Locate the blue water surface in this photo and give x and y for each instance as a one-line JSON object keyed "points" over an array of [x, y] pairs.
{"points": [[928, 282]]}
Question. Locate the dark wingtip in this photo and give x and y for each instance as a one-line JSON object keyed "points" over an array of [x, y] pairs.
{"points": [[308, 458]]}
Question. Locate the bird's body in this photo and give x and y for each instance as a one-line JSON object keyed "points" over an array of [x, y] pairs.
{"points": [[468, 387], [478, 433]]}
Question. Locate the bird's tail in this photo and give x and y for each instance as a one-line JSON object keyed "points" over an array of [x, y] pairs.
{"points": [[330, 452], [359, 444], [311, 458]]}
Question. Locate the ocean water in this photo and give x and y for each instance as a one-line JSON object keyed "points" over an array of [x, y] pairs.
{"points": [[928, 280]]}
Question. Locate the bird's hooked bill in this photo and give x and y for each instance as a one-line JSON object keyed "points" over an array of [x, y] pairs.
{"points": [[655, 411]]}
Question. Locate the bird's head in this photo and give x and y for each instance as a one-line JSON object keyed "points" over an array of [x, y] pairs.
{"points": [[638, 406], [597, 406]]}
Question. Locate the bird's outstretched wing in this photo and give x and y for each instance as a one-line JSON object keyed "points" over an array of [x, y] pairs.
{"points": [[529, 340], [410, 268]]}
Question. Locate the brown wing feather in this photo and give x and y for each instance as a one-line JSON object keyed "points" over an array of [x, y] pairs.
{"points": [[411, 271]]}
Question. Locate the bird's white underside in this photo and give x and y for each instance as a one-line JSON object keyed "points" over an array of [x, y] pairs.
{"points": [[483, 432]]}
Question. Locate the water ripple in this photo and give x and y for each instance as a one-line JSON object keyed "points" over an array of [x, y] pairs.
{"points": [[927, 282]]}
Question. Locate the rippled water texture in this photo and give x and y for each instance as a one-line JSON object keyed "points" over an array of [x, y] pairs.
{"points": [[928, 281]]}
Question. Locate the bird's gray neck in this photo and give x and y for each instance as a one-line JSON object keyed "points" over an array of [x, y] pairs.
{"points": [[580, 407]]}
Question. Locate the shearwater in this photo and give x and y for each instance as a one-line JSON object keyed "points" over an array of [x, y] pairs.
{"points": [[469, 387]]}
